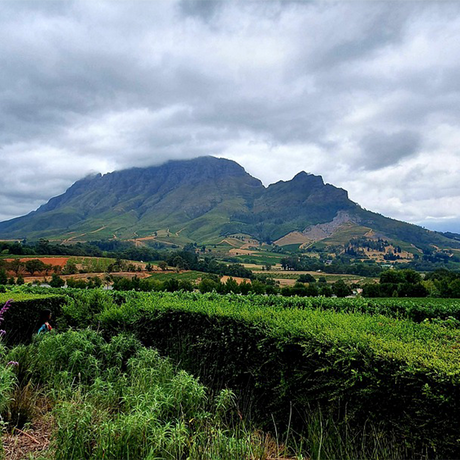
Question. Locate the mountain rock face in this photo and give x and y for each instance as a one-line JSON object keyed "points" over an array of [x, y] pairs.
{"points": [[204, 200]]}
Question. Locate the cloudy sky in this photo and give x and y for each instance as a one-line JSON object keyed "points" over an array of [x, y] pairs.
{"points": [[367, 94]]}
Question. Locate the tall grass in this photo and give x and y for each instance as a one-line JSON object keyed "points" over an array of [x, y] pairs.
{"points": [[119, 400]]}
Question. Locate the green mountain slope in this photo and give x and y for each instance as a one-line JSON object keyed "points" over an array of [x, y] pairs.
{"points": [[204, 200]]}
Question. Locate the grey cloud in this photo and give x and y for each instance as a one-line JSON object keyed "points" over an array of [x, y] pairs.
{"points": [[203, 9], [106, 85], [382, 149], [362, 33]]}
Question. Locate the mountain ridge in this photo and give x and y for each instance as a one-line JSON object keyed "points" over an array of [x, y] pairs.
{"points": [[203, 200]]}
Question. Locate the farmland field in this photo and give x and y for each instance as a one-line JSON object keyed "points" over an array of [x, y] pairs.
{"points": [[189, 275], [53, 260]]}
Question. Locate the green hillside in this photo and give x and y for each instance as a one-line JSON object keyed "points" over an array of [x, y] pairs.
{"points": [[205, 200]]}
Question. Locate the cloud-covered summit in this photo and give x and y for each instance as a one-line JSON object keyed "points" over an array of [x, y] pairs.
{"points": [[364, 93]]}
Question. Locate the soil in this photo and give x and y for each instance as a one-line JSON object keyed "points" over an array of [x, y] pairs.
{"points": [[18, 444], [236, 278], [59, 261]]}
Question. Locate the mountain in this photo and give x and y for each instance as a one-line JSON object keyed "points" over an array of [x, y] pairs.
{"points": [[204, 200]]}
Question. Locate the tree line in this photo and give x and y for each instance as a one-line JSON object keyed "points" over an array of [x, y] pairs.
{"points": [[409, 283]]}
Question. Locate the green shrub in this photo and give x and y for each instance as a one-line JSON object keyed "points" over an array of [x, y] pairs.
{"points": [[56, 281], [82, 307]]}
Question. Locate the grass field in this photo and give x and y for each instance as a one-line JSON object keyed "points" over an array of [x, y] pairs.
{"points": [[191, 275]]}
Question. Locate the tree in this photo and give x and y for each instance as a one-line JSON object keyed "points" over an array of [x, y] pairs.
{"points": [[190, 247], [245, 287], [306, 278], [56, 281], [16, 265], [341, 289], [312, 290], [411, 290], [34, 265], [107, 279], [77, 284], [179, 262], [392, 276], [171, 285], [163, 265], [411, 276], [232, 286], [3, 277], [207, 285], [371, 290], [455, 288], [325, 290], [43, 247], [185, 285], [258, 287], [94, 282], [290, 263], [70, 268]]}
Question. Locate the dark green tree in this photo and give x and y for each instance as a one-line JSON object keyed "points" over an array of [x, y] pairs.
{"points": [[306, 278], [341, 289], [56, 281], [34, 266], [3, 276]]}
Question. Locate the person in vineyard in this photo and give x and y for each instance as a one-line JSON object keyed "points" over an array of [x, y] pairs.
{"points": [[45, 318]]}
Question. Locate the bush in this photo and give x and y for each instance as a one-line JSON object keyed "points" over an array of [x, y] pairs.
{"points": [[82, 309], [306, 278], [56, 281]]}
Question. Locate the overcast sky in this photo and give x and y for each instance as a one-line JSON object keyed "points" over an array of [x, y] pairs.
{"points": [[366, 94]]}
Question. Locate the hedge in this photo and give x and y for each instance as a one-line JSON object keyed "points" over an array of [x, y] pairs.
{"points": [[286, 361], [22, 318]]}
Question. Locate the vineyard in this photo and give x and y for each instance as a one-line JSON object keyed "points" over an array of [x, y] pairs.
{"points": [[278, 377]]}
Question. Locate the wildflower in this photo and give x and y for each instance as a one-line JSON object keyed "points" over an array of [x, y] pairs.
{"points": [[12, 363], [2, 333], [4, 309]]}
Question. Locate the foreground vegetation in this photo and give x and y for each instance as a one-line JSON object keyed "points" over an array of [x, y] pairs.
{"points": [[313, 372], [119, 400]]}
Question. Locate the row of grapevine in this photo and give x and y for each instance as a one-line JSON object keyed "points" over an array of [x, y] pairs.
{"points": [[286, 360]]}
